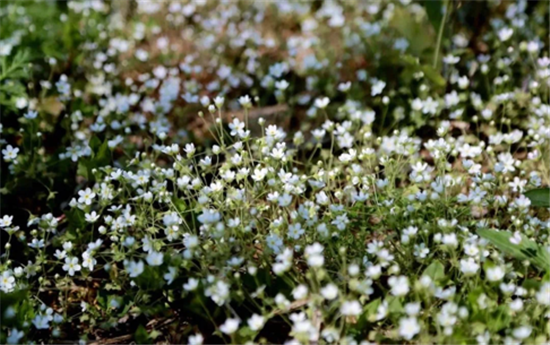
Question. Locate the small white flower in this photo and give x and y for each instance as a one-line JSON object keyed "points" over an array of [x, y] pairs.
{"points": [[408, 327], [522, 332], [350, 308], [230, 326], [10, 153], [256, 322], [516, 238], [91, 217], [245, 101], [495, 274], [191, 284], [329, 292], [399, 285], [135, 268], [86, 196], [322, 103], [71, 265], [196, 339], [505, 33], [154, 258], [300, 292]]}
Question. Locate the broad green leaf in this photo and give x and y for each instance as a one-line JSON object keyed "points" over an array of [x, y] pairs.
{"points": [[394, 304], [500, 319], [76, 218], [525, 250], [369, 312], [539, 197], [141, 336], [436, 271], [433, 75], [434, 10]]}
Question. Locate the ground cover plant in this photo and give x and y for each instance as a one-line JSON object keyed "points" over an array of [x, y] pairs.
{"points": [[275, 172]]}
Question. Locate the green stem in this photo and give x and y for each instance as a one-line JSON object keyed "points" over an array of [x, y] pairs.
{"points": [[440, 34]]}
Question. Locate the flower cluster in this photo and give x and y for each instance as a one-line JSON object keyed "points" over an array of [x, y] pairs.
{"points": [[243, 184]]}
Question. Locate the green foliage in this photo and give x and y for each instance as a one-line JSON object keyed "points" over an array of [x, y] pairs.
{"points": [[539, 197], [525, 250], [101, 156], [435, 270]]}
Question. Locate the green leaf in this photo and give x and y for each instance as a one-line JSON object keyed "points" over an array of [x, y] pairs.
{"points": [[433, 75], [501, 240], [500, 319], [394, 304], [369, 313], [436, 271], [525, 250], [101, 156], [76, 218], [434, 10], [539, 197], [141, 336]]}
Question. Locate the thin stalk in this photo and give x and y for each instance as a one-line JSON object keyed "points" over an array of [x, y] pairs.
{"points": [[440, 34]]}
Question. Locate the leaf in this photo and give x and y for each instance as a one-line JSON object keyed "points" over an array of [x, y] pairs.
{"points": [[434, 10], [76, 218], [436, 271], [433, 75], [394, 304], [369, 313], [539, 197], [141, 336], [525, 250], [500, 319], [101, 156]]}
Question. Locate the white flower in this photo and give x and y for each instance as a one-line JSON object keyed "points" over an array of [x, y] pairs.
{"points": [[236, 127], [515, 238], [412, 309], [256, 322], [295, 231], [15, 336], [154, 258], [350, 308], [399, 285], [543, 295], [522, 332], [300, 292], [30, 115], [377, 87], [230, 326], [191, 284], [86, 196], [88, 261], [71, 265], [322, 103], [5, 221], [469, 266], [135, 268], [189, 149], [281, 85], [91, 217], [10, 153], [245, 101], [408, 327], [284, 200], [218, 101], [329, 292], [505, 33], [196, 339], [170, 275], [7, 282], [495, 274]]}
